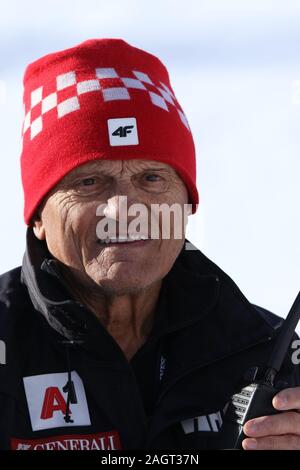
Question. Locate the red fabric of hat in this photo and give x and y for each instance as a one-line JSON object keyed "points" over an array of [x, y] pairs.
{"points": [[102, 99]]}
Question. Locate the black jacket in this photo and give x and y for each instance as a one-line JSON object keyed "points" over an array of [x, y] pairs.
{"points": [[66, 383]]}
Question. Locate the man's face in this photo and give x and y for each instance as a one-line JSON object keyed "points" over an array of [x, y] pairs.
{"points": [[69, 221]]}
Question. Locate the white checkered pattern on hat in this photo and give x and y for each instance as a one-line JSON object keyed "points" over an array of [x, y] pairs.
{"points": [[88, 85], [161, 97]]}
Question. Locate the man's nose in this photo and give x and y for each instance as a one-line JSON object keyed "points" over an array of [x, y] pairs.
{"points": [[116, 207], [120, 201]]}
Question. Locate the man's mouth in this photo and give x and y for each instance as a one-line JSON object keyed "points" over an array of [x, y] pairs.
{"points": [[131, 240]]}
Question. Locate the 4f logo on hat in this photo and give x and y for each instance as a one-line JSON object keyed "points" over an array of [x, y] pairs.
{"points": [[122, 131], [47, 401]]}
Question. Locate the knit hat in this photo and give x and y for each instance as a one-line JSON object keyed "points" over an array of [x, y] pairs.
{"points": [[102, 99]]}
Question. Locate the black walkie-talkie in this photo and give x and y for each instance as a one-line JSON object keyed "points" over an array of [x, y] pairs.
{"points": [[255, 399]]}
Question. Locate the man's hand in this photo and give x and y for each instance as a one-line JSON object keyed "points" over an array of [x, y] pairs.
{"points": [[276, 432]]}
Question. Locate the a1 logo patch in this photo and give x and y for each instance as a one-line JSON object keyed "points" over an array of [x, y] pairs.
{"points": [[122, 131], [47, 400]]}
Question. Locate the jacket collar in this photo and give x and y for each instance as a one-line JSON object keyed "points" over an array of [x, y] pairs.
{"points": [[195, 293], [219, 320]]}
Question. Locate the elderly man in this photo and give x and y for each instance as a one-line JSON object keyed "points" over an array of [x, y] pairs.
{"points": [[120, 334]]}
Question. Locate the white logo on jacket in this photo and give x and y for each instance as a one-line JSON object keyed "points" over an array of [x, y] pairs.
{"points": [[47, 401], [23, 446], [207, 423]]}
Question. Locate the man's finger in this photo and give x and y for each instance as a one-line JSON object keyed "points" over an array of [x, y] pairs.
{"points": [[287, 442], [287, 399], [282, 423]]}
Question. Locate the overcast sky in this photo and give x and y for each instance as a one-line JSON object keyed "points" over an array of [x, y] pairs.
{"points": [[235, 69]]}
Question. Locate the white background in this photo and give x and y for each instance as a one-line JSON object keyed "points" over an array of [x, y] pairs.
{"points": [[234, 66]]}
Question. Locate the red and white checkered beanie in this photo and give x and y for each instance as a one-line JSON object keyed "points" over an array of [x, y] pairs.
{"points": [[102, 99]]}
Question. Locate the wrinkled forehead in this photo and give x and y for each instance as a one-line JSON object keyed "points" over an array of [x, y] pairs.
{"points": [[118, 166]]}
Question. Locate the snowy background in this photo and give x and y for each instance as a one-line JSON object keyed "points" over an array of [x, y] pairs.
{"points": [[235, 68]]}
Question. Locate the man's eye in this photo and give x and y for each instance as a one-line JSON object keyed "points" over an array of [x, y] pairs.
{"points": [[153, 182], [152, 177], [88, 181]]}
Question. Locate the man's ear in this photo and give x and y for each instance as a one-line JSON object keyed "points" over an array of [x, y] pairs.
{"points": [[38, 227]]}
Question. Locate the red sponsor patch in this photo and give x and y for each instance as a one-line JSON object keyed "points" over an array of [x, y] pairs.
{"points": [[101, 441]]}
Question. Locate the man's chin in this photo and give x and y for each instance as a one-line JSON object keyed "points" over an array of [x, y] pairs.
{"points": [[120, 285], [121, 290]]}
